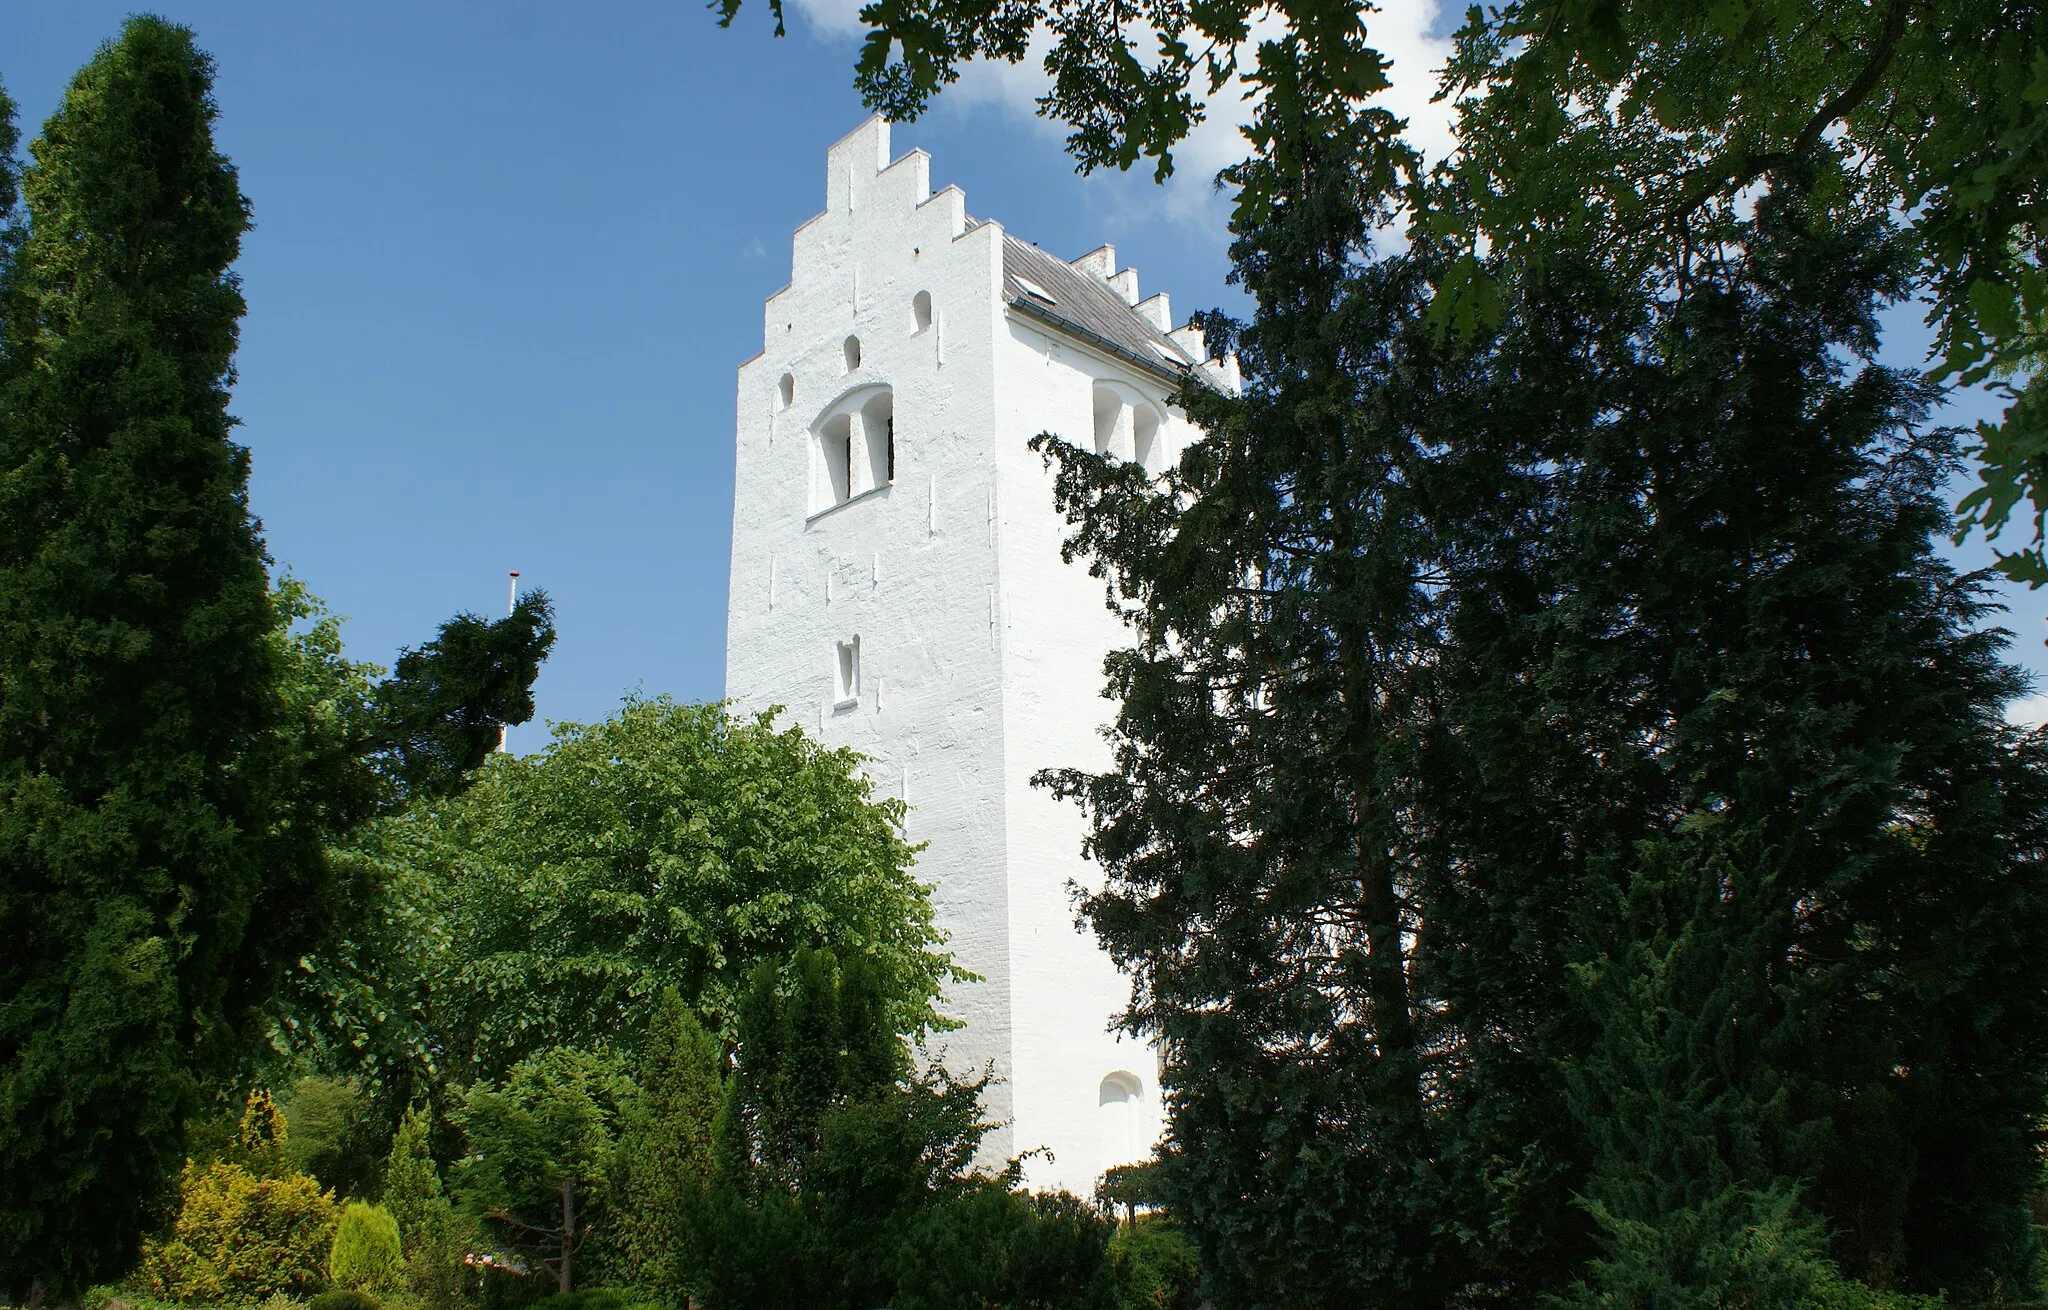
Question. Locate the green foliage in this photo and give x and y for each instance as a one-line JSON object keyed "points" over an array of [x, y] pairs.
{"points": [[844, 1179], [337, 1135], [435, 1237], [1561, 807], [1153, 1266], [358, 1000], [366, 1254], [669, 846], [178, 744], [240, 1237], [541, 1152], [263, 1138], [249, 1224], [595, 1298], [159, 871], [412, 1181], [1132, 1185], [345, 1298], [663, 1165], [990, 1245], [1640, 128], [445, 707]]}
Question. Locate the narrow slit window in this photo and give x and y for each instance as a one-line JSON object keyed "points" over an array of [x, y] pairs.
{"points": [[846, 671], [1119, 1121], [786, 389], [852, 348], [920, 311]]}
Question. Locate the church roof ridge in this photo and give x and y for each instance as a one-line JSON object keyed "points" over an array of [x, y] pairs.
{"points": [[1041, 286]]}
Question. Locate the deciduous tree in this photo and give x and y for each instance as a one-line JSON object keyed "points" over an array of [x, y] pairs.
{"points": [[541, 1153], [668, 846]]}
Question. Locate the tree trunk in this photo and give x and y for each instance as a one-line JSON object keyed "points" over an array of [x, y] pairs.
{"points": [[1386, 970], [563, 1282]]}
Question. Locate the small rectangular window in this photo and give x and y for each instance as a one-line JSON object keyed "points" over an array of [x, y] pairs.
{"points": [[846, 672]]}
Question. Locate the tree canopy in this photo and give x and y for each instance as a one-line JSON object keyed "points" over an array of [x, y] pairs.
{"points": [[668, 846]]}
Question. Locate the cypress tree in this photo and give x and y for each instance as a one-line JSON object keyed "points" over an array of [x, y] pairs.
{"points": [[665, 1152], [152, 883]]}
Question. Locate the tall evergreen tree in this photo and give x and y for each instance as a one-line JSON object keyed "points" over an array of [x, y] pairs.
{"points": [[664, 1165], [445, 707], [1807, 953], [143, 826], [176, 749], [1561, 820]]}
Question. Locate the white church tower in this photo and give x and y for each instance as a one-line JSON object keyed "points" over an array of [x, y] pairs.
{"points": [[897, 586]]}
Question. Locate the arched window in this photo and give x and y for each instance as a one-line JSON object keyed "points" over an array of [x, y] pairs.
{"points": [[835, 447], [1127, 426], [878, 425], [787, 390], [852, 354], [1112, 424], [920, 312], [1145, 437], [1119, 1118], [854, 451]]}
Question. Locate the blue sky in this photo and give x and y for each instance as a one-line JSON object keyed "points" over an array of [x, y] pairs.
{"points": [[508, 255]]}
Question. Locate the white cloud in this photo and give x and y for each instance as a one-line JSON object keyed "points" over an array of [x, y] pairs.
{"points": [[840, 17], [2029, 713]]}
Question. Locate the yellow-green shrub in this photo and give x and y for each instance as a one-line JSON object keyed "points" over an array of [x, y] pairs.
{"points": [[366, 1254], [240, 1238]]}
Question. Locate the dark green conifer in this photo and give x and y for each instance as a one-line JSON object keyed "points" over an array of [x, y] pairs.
{"points": [[151, 884], [1562, 826], [664, 1164]]}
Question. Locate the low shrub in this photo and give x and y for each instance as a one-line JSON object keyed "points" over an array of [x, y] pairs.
{"points": [[240, 1238], [594, 1298], [1153, 1266], [366, 1255], [345, 1298]]}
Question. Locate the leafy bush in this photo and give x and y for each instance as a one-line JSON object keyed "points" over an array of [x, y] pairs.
{"points": [[366, 1255], [988, 1245], [345, 1298], [240, 1238], [595, 1298], [1153, 1266]]}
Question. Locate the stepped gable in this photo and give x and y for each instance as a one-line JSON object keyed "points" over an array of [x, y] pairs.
{"points": [[1089, 308]]}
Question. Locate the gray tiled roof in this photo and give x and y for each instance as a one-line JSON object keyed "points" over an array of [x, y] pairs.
{"points": [[1086, 307]]}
